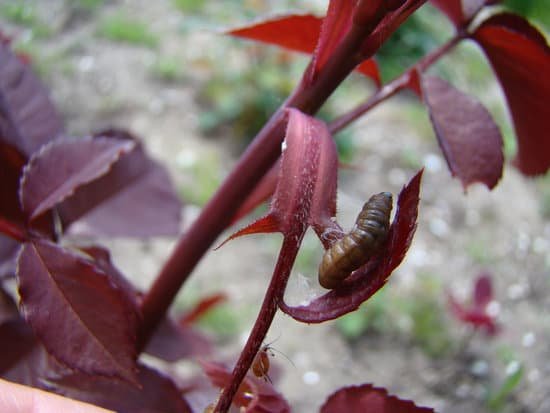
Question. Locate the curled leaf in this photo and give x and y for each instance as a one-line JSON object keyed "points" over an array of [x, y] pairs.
{"points": [[367, 398], [520, 57], [59, 168], [368, 279], [469, 137], [81, 317]]}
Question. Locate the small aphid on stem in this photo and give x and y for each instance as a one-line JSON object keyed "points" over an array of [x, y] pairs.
{"points": [[357, 246], [261, 364]]}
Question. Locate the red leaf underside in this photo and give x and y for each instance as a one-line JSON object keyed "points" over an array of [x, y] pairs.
{"points": [[299, 33], [469, 138], [518, 53]]}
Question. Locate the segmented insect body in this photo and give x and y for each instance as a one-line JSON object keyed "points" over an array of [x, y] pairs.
{"points": [[260, 365], [357, 246]]}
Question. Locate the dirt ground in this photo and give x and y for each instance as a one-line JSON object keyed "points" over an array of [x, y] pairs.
{"points": [[98, 82]]}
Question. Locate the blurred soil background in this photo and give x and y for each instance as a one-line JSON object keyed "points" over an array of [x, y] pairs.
{"points": [[163, 70]]}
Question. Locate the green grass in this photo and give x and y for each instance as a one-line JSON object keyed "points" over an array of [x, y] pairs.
{"points": [[167, 69], [119, 28], [21, 13], [24, 14], [90, 5], [187, 6]]}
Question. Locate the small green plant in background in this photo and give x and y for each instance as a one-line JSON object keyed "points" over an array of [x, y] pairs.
{"points": [[417, 314], [544, 187], [24, 14], [167, 69], [497, 398], [371, 317], [120, 28], [90, 5], [188, 6], [205, 176]]}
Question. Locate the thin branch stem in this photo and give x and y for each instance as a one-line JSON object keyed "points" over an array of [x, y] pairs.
{"points": [[395, 86], [272, 298]]}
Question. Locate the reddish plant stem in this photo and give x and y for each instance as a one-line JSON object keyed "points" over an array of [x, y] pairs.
{"points": [[272, 298], [12, 231], [395, 86], [308, 97]]}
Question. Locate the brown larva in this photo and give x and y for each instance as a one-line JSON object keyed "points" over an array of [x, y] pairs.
{"points": [[357, 246]]}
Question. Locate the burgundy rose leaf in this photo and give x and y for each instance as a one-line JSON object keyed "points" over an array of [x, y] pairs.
{"points": [[59, 168], [367, 398], [78, 313], [155, 393], [368, 279], [468, 137], [520, 56], [172, 342], [28, 119], [126, 201]]}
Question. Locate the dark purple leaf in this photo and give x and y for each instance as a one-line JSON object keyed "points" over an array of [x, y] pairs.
{"points": [[172, 342], [136, 198], [367, 398], [8, 256], [466, 132], [101, 258], [28, 118], [156, 393], [81, 317], [367, 280], [520, 57], [17, 341], [21, 356], [55, 171], [12, 162], [13, 221], [254, 394], [8, 308]]}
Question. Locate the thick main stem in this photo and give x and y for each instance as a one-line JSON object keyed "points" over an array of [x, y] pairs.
{"points": [[272, 298]]}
